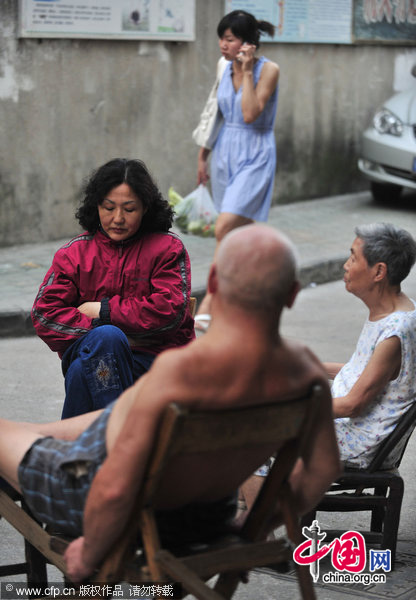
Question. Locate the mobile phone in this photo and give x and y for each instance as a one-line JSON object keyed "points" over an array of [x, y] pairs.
{"points": [[240, 54]]}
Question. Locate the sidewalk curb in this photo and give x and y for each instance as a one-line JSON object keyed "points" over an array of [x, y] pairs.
{"points": [[18, 323], [319, 271]]}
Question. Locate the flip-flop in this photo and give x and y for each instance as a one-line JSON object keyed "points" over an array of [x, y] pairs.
{"points": [[202, 322]]}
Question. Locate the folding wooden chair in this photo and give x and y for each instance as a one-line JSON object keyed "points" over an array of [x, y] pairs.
{"points": [[229, 446], [374, 489], [192, 305]]}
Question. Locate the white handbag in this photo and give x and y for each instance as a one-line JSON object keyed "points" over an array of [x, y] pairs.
{"points": [[211, 119]]}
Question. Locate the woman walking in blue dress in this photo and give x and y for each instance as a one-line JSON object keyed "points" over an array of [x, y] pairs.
{"points": [[243, 161]]}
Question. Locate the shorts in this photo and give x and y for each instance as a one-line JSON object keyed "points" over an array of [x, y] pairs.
{"points": [[55, 475]]}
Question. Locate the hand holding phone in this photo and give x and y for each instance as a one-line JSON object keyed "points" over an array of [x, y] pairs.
{"points": [[242, 53]]}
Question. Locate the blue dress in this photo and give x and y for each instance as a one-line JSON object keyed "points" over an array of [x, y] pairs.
{"points": [[243, 159]]}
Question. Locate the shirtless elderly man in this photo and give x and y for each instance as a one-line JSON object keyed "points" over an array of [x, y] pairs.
{"points": [[241, 360]]}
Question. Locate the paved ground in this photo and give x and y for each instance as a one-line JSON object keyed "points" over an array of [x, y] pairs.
{"points": [[324, 316], [322, 230]]}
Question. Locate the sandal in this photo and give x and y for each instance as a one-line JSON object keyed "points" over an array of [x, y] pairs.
{"points": [[202, 322]]}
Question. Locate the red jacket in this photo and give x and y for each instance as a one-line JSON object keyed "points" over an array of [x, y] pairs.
{"points": [[143, 285]]}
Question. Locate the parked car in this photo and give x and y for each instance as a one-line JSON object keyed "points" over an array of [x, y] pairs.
{"points": [[388, 149]]}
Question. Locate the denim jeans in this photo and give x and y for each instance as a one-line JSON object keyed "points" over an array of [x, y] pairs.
{"points": [[98, 367]]}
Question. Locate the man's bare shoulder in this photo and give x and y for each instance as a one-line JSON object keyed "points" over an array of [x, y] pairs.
{"points": [[183, 369], [300, 354], [219, 375], [141, 405], [303, 353], [176, 360], [297, 363], [232, 373]]}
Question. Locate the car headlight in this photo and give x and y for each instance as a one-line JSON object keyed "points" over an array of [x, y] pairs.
{"points": [[386, 122]]}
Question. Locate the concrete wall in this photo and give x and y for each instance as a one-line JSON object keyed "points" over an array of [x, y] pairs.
{"points": [[66, 106]]}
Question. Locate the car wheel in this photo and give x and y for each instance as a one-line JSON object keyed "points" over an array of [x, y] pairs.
{"points": [[385, 192]]}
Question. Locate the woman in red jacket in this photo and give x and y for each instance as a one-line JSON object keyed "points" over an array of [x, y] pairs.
{"points": [[118, 294]]}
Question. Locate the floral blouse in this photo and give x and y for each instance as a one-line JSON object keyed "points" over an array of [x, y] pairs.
{"points": [[358, 437]]}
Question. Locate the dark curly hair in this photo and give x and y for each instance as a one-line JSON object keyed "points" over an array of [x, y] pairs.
{"points": [[159, 214], [244, 26]]}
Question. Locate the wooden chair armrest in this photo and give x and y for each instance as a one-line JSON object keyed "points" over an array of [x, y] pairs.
{"points": [[59, 544]]}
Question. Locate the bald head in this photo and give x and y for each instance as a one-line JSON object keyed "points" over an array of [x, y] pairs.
{"points": [[256, 268]]}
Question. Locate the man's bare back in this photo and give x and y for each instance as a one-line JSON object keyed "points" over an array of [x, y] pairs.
{"points": [[208, 376], [212, 375]]}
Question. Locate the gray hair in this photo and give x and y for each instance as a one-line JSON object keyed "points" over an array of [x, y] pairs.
{"points": [[383, 242]]}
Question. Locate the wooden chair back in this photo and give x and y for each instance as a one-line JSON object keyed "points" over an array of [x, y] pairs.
{"points": [[192, 306], [227, 446]]}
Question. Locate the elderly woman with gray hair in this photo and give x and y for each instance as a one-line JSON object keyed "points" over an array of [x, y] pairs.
{"points": [[378, 384]]}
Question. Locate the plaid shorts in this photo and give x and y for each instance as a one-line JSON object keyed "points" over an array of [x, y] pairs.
{"points": [[55, 475]]}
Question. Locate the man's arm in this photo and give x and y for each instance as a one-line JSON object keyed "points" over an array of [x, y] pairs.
{"points": [[383, 366], [332, 369], [115, 487], [319, 464]]}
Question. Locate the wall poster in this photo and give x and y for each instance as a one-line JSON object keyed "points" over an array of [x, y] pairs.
{"points": [[108, 19], [302, 21], [385, 20]]}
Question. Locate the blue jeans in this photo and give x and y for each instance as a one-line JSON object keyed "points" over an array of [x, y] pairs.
{"points": [[98, 367]]}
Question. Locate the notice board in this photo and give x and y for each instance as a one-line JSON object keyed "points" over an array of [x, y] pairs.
{"points": [[390, 21], [301, 21], [114, 19], [335, 21]]}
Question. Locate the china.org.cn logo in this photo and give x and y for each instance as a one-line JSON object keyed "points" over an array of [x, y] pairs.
{"points": [[348, 557]]}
